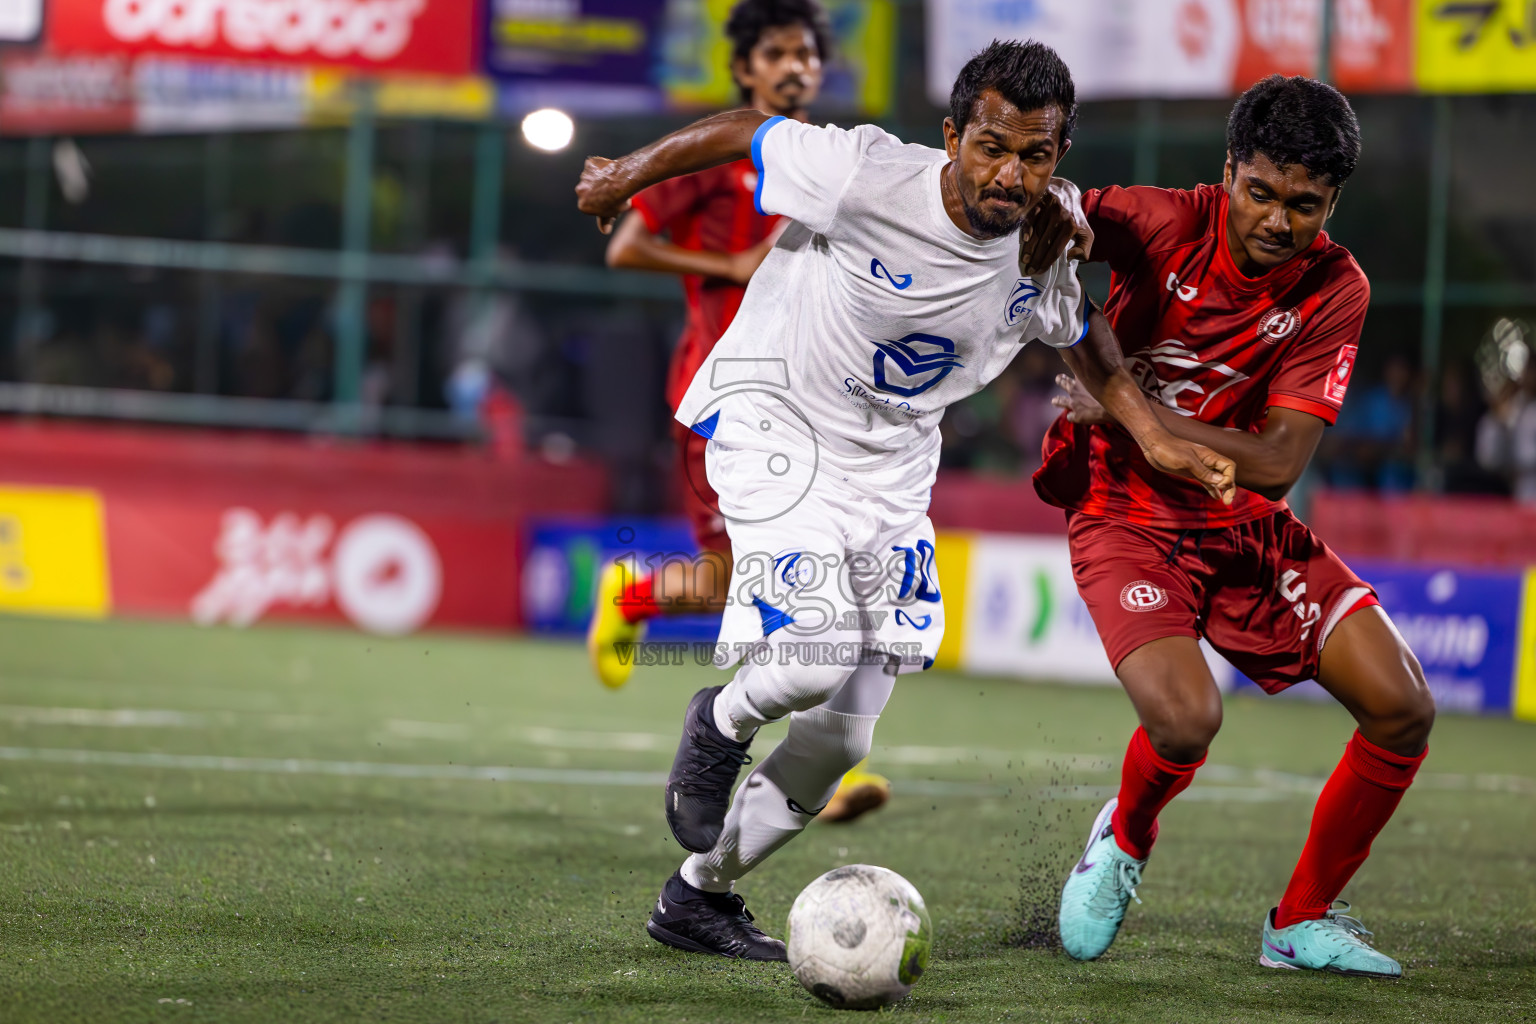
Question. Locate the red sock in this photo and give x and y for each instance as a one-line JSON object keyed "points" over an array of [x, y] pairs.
{"points": [[638, 602], [1357, 802], [1147, 782]]}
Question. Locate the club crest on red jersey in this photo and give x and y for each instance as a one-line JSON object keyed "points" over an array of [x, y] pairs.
{"points": [[1143, 596], [1338, 381], [1279, 324]]}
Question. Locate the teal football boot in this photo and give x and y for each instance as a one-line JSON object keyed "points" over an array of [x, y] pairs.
{"points": [[1098, 890], [1335, 943]]}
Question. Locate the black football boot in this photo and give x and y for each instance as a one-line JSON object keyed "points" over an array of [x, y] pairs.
{"points": [[709, 922], [703, 773]]}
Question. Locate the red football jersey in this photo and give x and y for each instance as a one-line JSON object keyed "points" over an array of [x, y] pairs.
{"points": [[711, 211], [1204, 340]]}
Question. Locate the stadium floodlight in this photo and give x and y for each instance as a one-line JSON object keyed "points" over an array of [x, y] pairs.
{"points": [[549, 129]]}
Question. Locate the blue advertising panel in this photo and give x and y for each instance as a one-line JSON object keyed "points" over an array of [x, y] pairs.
{"points": [[565, 560], [1463, 624], [611, 41]]}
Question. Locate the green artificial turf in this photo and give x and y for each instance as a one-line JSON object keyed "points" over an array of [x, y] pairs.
{"points": [[253, 889]]}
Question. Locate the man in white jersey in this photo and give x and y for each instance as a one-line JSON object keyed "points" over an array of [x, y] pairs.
{"points": [[904, 284]]}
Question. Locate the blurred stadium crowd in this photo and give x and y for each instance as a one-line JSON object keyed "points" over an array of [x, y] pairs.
{"points": [[577, 366]]}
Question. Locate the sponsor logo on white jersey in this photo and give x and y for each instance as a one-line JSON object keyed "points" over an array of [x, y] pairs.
{"points": [[1018, 310]]}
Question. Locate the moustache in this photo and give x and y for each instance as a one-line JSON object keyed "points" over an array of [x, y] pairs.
{"points": [[1003, 195], [792, 80]]}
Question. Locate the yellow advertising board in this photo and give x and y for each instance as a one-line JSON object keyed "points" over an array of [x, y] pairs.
{"points": [[53, 553], [332, 97], [1476, 47], [1525, 656], [952, 558]]}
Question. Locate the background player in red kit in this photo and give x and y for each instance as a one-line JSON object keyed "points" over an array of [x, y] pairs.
{"points": [[706, 227], [1239, 315]]}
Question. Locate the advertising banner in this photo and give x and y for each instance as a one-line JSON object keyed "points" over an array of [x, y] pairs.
{"points": [[602, 57], [1525, 669], [565, 558], [52, 553], [382, 571], [1023, 616], [1181, 48], [1477, 47], [44, 93], [428, 36], [174, 94], [1013, 605], [21, 21], [614, 41]]}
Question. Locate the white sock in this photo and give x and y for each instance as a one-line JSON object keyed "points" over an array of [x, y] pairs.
{"points": [[759, 694], [783, 794]]}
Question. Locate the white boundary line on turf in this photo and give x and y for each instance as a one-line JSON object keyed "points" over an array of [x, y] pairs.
{"points": [[1271, 786], [381, 769]]}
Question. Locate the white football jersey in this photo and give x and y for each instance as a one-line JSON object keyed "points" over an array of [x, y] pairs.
{"points": [[872, 314]]}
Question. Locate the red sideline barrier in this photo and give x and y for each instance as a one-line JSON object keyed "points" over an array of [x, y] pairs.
{"points": [[1416, 528], [994, 504], [237, 527]]}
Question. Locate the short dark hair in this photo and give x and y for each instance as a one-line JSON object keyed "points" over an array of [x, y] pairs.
{"points": [[1029, 75], [751, 18], [1296, 121]]}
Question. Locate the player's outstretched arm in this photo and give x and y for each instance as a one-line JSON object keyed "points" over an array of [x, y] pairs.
{"points": [[634, 247], [606, 186], [1269, 462], [1100, 367]]}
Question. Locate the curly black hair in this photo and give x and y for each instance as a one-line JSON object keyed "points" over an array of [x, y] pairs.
{"points": [[1029, 75], [1296, 121], [751, 18]]}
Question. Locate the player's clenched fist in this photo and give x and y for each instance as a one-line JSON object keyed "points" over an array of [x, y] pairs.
{"points": [[1216, 473], [1176, 457], [603, 191], [1056, 222]]}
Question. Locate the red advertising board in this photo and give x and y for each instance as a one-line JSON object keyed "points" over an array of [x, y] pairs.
{"points": [[429, 36], [45, 93], [233, 530], [1372, 43]]}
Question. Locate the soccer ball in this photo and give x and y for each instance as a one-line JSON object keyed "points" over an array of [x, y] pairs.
{"points": [[859, 937]]}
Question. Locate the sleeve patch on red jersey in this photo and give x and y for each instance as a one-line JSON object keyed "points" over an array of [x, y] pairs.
{"points": [[1338, 380]]}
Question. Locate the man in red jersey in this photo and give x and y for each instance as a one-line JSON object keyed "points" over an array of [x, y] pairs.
{"points": [[706, 227], [1238, 314]]}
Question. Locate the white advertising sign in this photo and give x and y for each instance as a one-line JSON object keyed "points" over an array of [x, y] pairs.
{"points": [[1023, 616], [21, 21], [1114, 47]]}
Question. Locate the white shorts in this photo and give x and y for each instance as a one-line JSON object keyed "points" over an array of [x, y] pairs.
{"points": [[826, 568]]}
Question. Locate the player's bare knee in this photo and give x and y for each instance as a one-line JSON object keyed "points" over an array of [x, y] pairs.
{"points": [[1414, 712], [1182, 728], [1401, 712]]}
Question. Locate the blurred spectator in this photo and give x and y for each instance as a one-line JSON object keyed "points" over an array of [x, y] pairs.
{"points": [[1372, 444], [1457, 417], [1495, 431], [492, 336], [1030, 412], [1522, 446]]}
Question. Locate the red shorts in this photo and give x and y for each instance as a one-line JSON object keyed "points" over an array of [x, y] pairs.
{"points": [[700, 501], [1265, 593]]}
